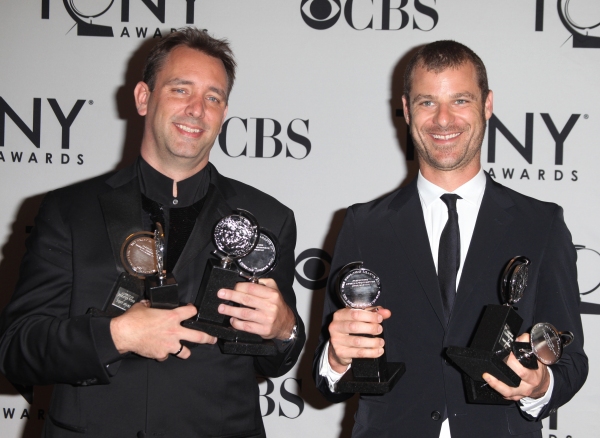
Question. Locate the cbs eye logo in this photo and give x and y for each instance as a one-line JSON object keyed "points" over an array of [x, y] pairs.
{"points": [[312, 268], [320, 14]]}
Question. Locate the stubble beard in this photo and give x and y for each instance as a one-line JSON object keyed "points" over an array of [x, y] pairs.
{"points": [[470, 153]]}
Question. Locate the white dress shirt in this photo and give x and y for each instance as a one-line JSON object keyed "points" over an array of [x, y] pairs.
{"points": [[435, 213]]}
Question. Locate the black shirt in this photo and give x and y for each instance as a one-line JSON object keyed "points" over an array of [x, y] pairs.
{"points": [[177, 215]]}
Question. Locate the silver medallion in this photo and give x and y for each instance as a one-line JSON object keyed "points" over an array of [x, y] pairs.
{"points": [[236, 235], [358, 287], [263, 257], [514, 280], [138, 254]]}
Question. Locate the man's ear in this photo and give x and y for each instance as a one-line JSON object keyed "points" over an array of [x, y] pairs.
{"points": [[224, 117], [141, 94], [489, 105], [405, 110]]}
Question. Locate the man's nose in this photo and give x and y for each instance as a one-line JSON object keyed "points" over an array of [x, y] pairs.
{"points": [[195, 108], [444, 115]]}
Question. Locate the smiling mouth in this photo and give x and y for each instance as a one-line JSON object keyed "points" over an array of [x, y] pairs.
{"points": [[445, 137], [188, 129]]}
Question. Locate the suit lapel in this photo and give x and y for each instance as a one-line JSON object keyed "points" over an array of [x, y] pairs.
{"points": [[122, 208], [493, 222], [406, 219]]}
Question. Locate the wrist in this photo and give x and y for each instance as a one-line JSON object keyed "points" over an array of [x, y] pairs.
{"points": [[291, 328], [293, 334], [116, 328], [334, 362]]}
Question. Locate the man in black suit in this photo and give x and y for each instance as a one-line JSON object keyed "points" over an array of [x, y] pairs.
{"points": [[446, 104], [130, 375]]}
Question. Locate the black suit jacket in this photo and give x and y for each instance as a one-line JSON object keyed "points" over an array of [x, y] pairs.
{"points": [[71, 264], [389, 236]]}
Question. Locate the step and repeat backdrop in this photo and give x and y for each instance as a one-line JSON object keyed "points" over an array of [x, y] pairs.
{"points": [[315, 120]]}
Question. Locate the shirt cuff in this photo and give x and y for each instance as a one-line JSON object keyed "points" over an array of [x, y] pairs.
{"points": [[533, 406], [326, 371]]}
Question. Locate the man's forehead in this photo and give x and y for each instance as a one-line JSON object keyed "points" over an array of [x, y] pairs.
{"points": [[425, 76], [181, 58]]}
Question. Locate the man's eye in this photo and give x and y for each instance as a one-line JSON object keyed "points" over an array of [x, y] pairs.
{"points": [[179, 90], [427, 103], [213, 99], [461, 101]]}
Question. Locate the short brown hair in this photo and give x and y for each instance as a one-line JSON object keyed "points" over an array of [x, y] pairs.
{"points": [[442, 55], [194, 39]]}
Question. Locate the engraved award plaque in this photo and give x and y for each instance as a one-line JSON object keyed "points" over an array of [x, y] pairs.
{"points": [[161, 288], [359, 288], [493, 340], [235, 236]]}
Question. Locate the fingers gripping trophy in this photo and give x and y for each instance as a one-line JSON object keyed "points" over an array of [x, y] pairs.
{"points": [[239, 241]]}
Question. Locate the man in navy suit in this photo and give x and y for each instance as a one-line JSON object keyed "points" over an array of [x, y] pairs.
{"points": [[447, 103], [131, 375]]}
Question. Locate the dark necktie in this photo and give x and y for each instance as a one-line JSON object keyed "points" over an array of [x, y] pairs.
{"points": [[449, 254]]}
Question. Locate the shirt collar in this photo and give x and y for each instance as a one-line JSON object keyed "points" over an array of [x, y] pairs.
{"points": [[471, 191], [159, 187]]}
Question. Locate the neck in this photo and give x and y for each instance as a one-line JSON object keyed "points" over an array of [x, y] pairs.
{"points": [[450, 180], [176, 169]]}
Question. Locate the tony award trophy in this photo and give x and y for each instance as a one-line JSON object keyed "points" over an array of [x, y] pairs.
{"points": [[161, 288], [142, 256], [359, 288], [494, 338], [235, 236], [137, 257]]}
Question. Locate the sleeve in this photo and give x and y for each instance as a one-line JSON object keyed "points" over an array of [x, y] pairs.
{"points": [[329, 373], [41, 342], [283, 274], [558, 303], [346, 251]]}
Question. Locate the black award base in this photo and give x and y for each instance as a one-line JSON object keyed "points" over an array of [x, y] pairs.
{"points": [[210, 321], [371, 376], [263, 348], [232, 341], [481, 393], [126, 291], [475, 362], [491, 345], [162, 293]]}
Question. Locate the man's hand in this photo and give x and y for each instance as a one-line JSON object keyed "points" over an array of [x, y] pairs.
{"points": [[343, 346], [265, 313], [534, 383], [154, 333]]}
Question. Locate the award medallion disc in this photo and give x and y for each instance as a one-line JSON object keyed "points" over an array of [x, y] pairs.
{"points": [[547, 343], [236, 235], [263, 257], [359, 288], [138, 254], [514, 280]]}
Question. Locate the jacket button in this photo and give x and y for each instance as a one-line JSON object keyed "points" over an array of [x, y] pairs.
{"points": [[435, 416], [141, 434]]}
